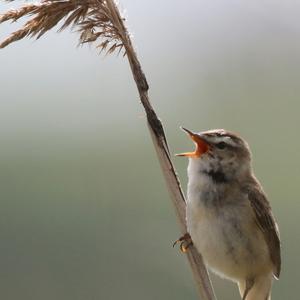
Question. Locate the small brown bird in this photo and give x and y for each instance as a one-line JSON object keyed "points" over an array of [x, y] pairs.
{"points": [[229, 218]]}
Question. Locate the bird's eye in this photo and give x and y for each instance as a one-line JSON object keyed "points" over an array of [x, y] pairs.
{"points": [[221, 145]]}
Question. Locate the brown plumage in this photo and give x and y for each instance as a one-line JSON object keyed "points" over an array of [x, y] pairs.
{"points": [[228, 215], [266, 222]]}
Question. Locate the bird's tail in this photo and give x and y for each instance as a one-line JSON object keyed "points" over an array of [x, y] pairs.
{"points": [[257, 289]]}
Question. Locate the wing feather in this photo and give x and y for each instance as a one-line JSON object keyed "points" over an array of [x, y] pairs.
{"points": [[266, 223]]}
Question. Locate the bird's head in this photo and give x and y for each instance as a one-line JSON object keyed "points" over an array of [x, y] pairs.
{"points": [[219, 152]]}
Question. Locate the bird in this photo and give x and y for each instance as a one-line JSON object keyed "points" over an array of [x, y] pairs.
{"points": [[228, 216]]}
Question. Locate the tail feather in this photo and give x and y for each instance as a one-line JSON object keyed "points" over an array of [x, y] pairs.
{"points": [[260, 290]]}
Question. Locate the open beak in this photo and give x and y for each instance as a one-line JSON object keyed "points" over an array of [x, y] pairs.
{"points": [[201, 145]]}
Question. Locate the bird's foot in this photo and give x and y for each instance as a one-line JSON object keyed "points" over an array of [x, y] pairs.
{"points": [[185, 242]]}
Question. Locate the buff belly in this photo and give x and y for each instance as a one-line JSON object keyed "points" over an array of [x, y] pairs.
{"points": [[228, 240]]}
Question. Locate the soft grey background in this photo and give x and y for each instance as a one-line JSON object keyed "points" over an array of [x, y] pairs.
{"points": [[84, 212]]}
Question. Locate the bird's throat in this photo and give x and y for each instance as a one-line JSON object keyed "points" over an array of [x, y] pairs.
{"points": [[216, 176]]}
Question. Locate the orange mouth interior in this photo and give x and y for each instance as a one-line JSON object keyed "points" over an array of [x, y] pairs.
{"points": [[201, 145]]}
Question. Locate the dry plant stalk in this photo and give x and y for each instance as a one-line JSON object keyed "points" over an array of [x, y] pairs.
{"points": [[100, 21]]}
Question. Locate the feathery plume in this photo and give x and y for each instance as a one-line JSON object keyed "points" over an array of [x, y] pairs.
{"points": [[91, 18]]}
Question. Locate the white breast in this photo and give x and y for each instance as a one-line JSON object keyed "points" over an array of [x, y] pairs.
{"points": [[225, 235]]}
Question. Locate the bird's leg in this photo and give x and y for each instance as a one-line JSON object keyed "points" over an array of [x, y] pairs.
{"points": [[249, 285], [185, 242]]}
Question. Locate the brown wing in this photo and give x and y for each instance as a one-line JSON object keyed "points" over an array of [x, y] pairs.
{"points": [[267, 224]]}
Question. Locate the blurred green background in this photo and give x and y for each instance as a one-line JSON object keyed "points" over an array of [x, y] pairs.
{"points": [[84, 212]]}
